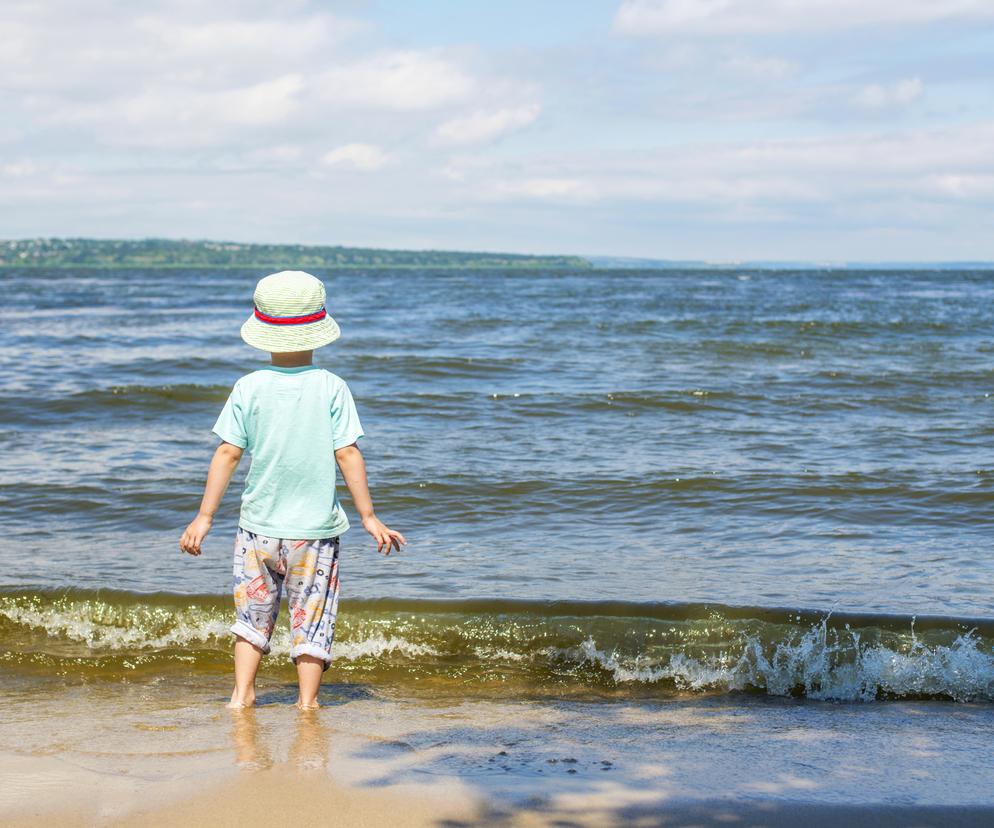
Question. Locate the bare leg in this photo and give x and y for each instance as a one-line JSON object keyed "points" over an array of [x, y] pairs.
{"points": [[247, 658], [309, 670]]}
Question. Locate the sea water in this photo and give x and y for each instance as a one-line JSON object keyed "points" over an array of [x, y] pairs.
{"points": [[618, 487]]}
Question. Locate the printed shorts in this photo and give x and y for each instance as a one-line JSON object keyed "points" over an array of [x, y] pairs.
{"points": [[308, 569]]}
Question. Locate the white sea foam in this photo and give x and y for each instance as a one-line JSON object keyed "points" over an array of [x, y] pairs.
{"points": [[380, 645], [818, 661], [846, 670], [101, 627], [499, 654], [687, 673], [841, 670]]}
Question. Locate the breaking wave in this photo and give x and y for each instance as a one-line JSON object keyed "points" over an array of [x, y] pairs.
{"points": [[500, 648]]}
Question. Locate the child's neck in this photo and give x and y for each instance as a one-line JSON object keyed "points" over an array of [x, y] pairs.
{"points": [[294, 359]]}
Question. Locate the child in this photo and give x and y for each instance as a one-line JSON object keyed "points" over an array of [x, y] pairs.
{"points": [[291, 416]]}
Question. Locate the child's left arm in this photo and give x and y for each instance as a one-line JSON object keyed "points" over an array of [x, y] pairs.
{"points": [[223, 466], [353, 468]]}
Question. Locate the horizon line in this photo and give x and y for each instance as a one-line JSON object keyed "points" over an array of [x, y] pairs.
{"points": [[593, 258]]}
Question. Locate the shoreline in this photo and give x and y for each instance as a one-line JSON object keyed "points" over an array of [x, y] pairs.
{"points": [[170, 753]]}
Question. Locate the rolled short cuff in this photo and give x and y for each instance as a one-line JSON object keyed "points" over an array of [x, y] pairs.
{"points": [[311, 650], [253, 636]]}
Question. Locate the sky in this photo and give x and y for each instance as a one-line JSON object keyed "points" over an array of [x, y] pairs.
{"points": [[722, 130]]}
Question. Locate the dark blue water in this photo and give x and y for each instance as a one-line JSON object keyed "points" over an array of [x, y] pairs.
{"points": [[806, 439]]}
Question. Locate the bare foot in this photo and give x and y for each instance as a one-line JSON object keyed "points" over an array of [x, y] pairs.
{"points": [[237, 703], [312, 706]]}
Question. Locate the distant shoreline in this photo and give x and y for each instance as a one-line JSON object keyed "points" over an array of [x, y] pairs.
{"points": [[269, 266], [155, 253], [985, 267], [114, 254]]}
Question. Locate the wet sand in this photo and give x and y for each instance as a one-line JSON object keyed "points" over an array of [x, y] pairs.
{"points": [[286, 795], [165, 753], [57, 793]]}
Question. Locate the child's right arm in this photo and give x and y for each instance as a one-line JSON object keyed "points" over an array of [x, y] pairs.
{"points": [[223, 466]]}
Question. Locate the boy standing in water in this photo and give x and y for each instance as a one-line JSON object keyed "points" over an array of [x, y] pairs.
{"points": [[292, 417]]}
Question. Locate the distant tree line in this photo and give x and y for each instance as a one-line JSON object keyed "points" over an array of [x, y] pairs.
{"points": [[172, 253]]}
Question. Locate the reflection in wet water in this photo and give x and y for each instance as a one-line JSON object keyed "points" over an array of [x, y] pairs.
{"points": [[308, 736], [309, 750], [251, 752]]}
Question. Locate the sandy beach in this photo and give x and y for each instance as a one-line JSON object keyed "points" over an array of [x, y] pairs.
{"points": [[55, 791], [163, 753], [284, 795], [64, 796]]}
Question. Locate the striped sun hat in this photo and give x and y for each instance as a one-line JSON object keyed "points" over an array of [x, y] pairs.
{"points": [[289, 314]]}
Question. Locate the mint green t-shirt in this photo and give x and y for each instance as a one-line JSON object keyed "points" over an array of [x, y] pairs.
{"points": [[291, 420]]}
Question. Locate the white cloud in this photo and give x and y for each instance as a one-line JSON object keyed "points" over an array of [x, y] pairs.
{"points": [[18, 41], [118, 52], [699, 60], [362, 157], [19, 169], [397, 80], [220, 40], [960, 186], [273, 156], [485, 125], [546, 188], [262, 103], [783, 178], [879, 96], [179, 116], [246, 77], [758, 66], [723, 17]]}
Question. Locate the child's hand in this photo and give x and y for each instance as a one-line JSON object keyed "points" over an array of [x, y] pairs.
{"points": [[386, 539], [195, 534]]}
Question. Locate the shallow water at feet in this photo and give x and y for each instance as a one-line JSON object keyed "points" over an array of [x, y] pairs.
{"points": [[517, 753]]}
